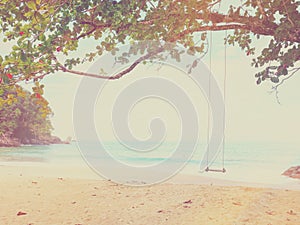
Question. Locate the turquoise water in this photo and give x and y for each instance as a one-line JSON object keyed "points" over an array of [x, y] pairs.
{"points": [[245, 162]]}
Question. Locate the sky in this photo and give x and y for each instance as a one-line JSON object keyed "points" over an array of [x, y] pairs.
{"points": [[252, 112]]}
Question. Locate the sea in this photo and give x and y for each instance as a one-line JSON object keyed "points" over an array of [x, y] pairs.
{"points": [[246, 163]]}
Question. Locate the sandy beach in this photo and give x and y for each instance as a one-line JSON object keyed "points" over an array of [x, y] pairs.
{"points": [[42, 200]]}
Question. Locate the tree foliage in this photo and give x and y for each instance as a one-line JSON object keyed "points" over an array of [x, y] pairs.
{"points": [[24, 115], [40, 31]]}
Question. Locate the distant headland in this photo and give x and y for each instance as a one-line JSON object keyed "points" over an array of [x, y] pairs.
{"points": [[46, 140]]}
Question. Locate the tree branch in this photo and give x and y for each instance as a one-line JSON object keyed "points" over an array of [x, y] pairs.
{"points": [[275, 88], [212, 28], [85, 34], [114, 77], [250, 23], [261, 9]]}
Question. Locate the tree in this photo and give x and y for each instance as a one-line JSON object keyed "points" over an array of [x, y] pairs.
{"points": [[24, 116], [40, 30]]}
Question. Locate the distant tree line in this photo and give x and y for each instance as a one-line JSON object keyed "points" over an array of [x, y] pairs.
{"points": [[24, 116]]}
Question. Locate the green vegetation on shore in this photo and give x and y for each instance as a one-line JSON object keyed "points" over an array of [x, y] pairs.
{"points": [[24, 116]]}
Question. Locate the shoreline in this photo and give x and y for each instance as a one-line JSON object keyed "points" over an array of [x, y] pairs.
{"points": [[16, 143], [67, 161], [53, 166], [84, 172]]}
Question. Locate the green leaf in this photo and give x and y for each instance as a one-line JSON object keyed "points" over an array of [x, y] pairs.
{"points": [[15, 48], [284, 71], [258, 81], [272, 67], [275, 79], [31, 5], [29, 14], [42, 37], [203, 36], [199, 49]]}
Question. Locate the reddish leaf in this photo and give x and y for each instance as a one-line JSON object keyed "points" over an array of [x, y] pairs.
{"points": [[10, 76], [21, 213], [188, 202]]}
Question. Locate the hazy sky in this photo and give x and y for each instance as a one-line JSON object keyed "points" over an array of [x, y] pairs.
{"points": [[252, 112]]}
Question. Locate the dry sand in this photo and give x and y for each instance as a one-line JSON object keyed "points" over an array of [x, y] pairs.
{"points": [[56, 201]]}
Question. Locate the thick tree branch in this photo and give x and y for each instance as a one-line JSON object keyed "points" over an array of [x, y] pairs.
{"points": [[257, 26], [114, 77], [212, 28], [249, 23]]}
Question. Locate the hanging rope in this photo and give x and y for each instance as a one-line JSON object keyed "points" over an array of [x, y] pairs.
{"points": [[224, 113], [209, 98], [224, 93]]}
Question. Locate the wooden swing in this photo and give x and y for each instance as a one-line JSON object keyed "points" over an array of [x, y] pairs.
{"points": [[208, 169]]}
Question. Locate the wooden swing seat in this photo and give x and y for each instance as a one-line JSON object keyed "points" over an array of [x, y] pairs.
{"points": [[215, 170]]}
